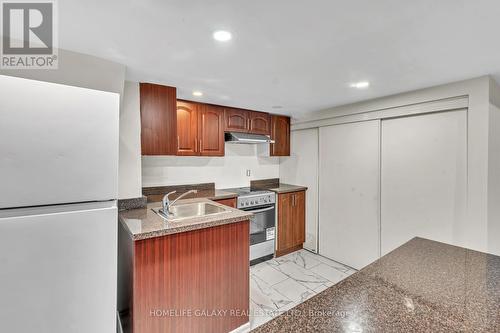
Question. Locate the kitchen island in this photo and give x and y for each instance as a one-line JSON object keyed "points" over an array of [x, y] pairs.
{"points": [[422, 286], [191, 275]]}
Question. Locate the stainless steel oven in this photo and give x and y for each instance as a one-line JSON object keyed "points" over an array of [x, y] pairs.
{"points": [[262, 224]]}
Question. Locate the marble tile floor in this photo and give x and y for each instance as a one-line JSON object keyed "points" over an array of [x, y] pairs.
{"points": [[280, 284]]}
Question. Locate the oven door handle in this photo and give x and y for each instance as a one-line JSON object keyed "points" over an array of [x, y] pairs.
{"points": [[261, 210]]}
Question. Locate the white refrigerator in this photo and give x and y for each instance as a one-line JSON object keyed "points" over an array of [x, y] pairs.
{"points": [[58, 213]]}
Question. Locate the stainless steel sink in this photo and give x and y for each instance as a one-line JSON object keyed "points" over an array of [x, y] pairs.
{"points": [[190, 210]]}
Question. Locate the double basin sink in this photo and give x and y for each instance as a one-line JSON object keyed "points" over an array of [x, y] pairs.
{"points": [[190, 210]]}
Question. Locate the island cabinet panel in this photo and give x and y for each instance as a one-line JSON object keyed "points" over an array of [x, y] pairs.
{"points": [[195, 281], [211, 130], [187, 129], [228, 202], [259, 123], [291, 222], [280, 133], [236, 120], [158, 119]]}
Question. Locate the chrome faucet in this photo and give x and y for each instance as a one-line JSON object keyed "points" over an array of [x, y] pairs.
{"points": [[166, 203]]}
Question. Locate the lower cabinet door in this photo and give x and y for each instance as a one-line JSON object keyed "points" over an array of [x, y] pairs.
{"points": [[291, 222], [285, 222], [299, 218], [231, 202]]}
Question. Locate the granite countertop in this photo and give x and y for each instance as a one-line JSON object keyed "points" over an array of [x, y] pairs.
{"points": [[274, 184], [286, 188], [143, 223], [423, 286], [218, 194]]}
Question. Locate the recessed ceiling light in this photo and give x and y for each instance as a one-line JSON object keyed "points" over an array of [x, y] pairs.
{"points": [[360, 84], [222, 35], [277, 107], [197, 93]]}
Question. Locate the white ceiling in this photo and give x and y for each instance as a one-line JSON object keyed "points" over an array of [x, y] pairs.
{"points": [[299, 54]]}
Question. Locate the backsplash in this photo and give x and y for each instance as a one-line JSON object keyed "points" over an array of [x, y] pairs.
{"points": [[228, 171]]}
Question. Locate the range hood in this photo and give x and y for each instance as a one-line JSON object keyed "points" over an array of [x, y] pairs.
{"points": [[235, 137]]}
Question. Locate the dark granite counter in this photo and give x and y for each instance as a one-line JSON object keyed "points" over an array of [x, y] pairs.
{"points": [[143, 223], [286, 188], [423, 286], [274, 184]]}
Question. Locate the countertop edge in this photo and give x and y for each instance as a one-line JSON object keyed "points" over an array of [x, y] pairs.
{"points": [[197, 225], [287, 188], [155, 234], [229, 195]]}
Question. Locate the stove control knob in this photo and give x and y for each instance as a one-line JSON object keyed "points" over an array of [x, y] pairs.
{"points": [[252, 203]]}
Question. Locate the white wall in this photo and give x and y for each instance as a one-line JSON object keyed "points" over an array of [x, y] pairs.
{"points": [[478, 92], [81, 70], [227, 171], [129, 185], [494, 182], [301, 168]]}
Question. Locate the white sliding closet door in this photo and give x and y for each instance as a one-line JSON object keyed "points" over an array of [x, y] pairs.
{"points": [[349, 192], [424, 178], [302, 168]]}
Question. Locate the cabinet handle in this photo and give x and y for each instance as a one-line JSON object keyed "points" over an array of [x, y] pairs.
{"points": [[177, 142], [195, 145], [199, 145], [293, 200], [248, 124]]}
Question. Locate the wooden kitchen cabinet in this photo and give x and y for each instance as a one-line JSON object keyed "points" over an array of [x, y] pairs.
{"points": [[231, 202], [187, 129], [200, 129], [158, 119], [184, 128], [259, 122], [245, 121], [236, 120], [204, 271], [280, 133], [291, 222], [211, 130]]}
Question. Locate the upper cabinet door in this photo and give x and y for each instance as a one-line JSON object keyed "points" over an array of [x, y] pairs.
{"points": [[259, 123], [236, 120], [158, 119], [211, 130], [187, 129], [280, 133]]}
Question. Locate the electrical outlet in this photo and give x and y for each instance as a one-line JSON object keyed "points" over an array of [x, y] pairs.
{"points": [[249, 173]]}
